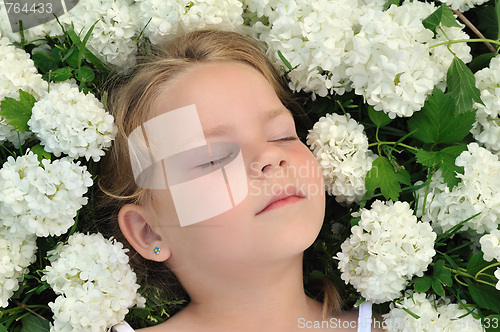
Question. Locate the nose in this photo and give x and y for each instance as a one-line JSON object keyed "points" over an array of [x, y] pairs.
{"points": [[268, 160]]}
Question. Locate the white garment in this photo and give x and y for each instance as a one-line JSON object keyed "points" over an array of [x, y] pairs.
{"points": [[364, 320]]}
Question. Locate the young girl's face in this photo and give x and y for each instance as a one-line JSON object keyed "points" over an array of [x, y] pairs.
{"points": [[235, 103]]}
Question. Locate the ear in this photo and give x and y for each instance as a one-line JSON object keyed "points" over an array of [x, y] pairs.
{"points": [[134, 221]]}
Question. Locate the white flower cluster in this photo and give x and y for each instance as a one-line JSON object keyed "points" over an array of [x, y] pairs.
{"points": [[94, 281], [490, 245], [41, 200], [340, 45], [386, 249], [477, 192], [111, 40], [17, 71], [167, 16], [463, 5], [341, 148], [68, 121], [17, 252], [486, 129], [391, 64], [436, 315]]}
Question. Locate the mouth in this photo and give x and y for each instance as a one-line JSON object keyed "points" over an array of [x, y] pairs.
{"points": [[286, 197]]}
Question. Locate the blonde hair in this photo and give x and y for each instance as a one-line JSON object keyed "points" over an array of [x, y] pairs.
{"points": [[131, 104]]}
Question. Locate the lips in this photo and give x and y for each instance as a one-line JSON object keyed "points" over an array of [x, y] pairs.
{"points": [[288, 196]]}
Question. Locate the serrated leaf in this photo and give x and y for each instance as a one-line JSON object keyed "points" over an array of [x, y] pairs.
{"points": [[379, 118], [40, 152], [437, 122], [437, 287], [445, 161], [32, 323], [382, 175], [18, 112], [422, 284], [481, 61], [476, 264], [443, 15], [462, 86], [485, 296]]}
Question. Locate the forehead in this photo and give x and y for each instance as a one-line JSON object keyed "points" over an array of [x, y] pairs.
{"points": [[220, 90]]}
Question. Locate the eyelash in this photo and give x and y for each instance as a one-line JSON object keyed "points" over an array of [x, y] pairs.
{"points": [[286, 139], [213, 162]]}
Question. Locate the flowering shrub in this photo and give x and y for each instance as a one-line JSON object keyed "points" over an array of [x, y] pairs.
{"points": [[405, 97]]}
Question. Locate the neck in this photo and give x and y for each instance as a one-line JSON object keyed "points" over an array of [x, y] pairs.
{"points": [[246, 298]]}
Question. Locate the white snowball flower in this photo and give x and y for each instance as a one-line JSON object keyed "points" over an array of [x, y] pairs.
{"points": [[386, 249], [341, 148], [436, 315], [169, 16], [486, 129], [17, 252], [94, 281], [497, 274], [111, 39], [41, 200], [477, 192], [463, 5], [490, 245], [68, 121], [391, 64], [17, 71]]}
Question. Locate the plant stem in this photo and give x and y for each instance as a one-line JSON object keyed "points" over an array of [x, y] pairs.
{"points": [[449, 42], [474, 29], [390, 143], [486, 268]]}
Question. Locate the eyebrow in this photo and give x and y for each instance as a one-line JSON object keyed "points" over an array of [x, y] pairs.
{"points": [[266, 117]]}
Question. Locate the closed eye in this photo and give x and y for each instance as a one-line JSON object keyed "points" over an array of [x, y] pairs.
{"points": [[286, 139], [214, 162]]}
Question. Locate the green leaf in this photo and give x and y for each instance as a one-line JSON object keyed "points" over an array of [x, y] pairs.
{"points": [[61, 74], [485, 296], [422, 284], [379, 118], [18, 112], [43, 61], [442, 274], [437, 122], [476, 264], [285, 61], [443, 15], [437, 287], [390, 3], [462, 86], [71, 58], [85, 74], [382, 175], [40, 152], [32, 323], [445, 161], [497, 10], [481, 61], [3, 329]]}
